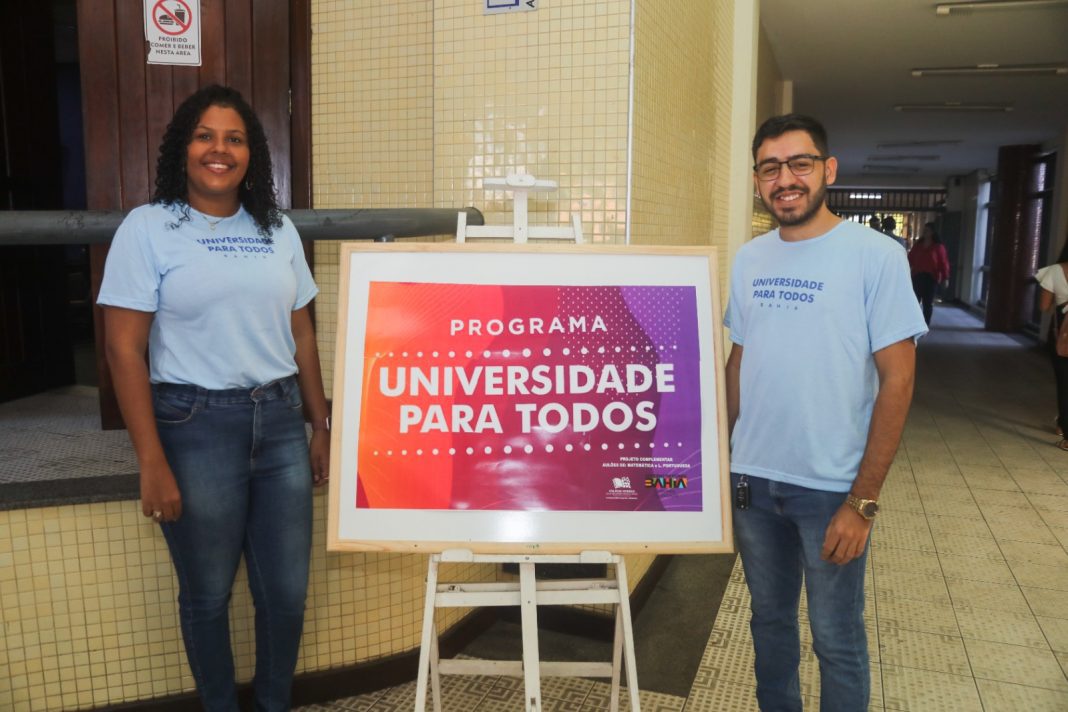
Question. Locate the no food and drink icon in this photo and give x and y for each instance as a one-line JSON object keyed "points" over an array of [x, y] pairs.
{"points": [[172, 30]]}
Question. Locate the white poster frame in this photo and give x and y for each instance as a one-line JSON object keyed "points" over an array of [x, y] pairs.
{"points": [[351, 528]]}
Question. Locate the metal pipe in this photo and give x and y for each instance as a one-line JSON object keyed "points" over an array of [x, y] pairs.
{"points": [[83, 227]]}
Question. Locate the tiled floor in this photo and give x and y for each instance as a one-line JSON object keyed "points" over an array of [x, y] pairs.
{"points": [[968, 576], [56, 436]]}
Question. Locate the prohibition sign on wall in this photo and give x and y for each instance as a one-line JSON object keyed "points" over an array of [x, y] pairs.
{"points": [[172, 30], [172, 17]]}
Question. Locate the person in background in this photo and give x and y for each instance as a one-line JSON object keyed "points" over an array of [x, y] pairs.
{"points": [[818, 382], [873, 223], [211, 278], [889, 226], [929, 265], [1053, 281]]}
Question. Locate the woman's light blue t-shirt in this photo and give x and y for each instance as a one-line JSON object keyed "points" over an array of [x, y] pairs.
{"points": [[810, 315], [223, 298]]}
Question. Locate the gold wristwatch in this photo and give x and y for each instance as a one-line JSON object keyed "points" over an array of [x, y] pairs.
{"points": [[866, 508]]}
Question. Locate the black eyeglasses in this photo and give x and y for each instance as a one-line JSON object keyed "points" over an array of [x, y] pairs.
{"points": [[800, 165]]}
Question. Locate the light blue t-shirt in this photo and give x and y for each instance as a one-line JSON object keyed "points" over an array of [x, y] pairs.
{"points": [[223, 298], [810, 315]]}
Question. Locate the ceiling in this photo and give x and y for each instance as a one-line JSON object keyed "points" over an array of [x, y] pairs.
{"points": [[850, 62]]}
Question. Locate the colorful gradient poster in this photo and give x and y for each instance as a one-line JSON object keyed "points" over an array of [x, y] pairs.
{"points": [[530, 398]]}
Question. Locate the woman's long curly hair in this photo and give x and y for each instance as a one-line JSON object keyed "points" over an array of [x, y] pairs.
{"points": [[256, 192]]}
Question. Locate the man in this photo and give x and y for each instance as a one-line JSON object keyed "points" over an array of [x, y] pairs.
{"points": [[823, 323], [889, 226]]}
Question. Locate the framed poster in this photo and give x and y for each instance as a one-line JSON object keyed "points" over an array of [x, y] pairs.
{"points": [[528, 399]]}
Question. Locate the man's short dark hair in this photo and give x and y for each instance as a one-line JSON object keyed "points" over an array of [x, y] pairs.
{"points": [[778, 125]]}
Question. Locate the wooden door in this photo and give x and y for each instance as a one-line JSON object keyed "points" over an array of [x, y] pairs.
{"points": [[259, 47]]}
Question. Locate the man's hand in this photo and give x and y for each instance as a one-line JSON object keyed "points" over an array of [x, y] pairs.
{"points": [[847, 535]]}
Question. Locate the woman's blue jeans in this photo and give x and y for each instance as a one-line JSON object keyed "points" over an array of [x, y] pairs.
{"points": [[779, 538], [240, 457]]}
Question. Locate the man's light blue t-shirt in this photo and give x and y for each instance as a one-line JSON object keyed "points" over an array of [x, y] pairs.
{"points": [[223, 298], [810, 315]]}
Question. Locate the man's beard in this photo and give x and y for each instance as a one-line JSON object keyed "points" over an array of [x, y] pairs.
{"points": [[816, 201]]}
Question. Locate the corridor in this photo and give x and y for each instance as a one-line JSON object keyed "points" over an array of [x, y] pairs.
{"points": [[968, 573]]}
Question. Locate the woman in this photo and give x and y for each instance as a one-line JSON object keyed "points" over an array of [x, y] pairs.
{"points": [[1054, 291], [211, 277], [930, 268]]}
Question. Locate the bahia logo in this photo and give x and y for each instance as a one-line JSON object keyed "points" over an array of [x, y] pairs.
{"points": [[620, 483], [665, 482]]}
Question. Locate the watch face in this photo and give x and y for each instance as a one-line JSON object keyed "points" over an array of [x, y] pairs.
{"points": [[870, 509]]}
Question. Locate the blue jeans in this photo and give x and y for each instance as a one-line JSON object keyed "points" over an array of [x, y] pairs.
{"points": [[779, 538], [240, 457]]}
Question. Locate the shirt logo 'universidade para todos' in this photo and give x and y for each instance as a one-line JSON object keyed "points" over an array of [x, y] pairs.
{"points": [[785, 292], [238, 246]]}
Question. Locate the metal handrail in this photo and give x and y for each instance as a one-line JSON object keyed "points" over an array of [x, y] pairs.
{"points": [[85, 227]]}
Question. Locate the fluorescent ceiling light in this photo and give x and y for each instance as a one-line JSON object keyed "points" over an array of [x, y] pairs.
{"points": [[905, 157], [947, 7], [955, 106], [918, 144], [890, 169], [865, 196], [988, 70]]}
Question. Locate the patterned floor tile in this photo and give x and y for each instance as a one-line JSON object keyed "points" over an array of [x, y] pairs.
{"points": [[999, 626], [927, 651], [1006, 696], [1030, 529], [723, 696], [912, 586], [1057, 503], [1046, 602], [889, 560], [1061, 533], [1051, 517], [1055, 577], [917, 539], [976, 569], [1056, 632], [1035, 482], [651, 701], [985, 498], [981, 594], [1030, 553], [1015, 664], [928, 691], [963, 545], [923, 616]]}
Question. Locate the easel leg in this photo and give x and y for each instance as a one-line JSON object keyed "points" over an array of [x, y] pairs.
{"points": [[617, 657], [429, 633], [528, 608], [435, 676], [628, 634]]}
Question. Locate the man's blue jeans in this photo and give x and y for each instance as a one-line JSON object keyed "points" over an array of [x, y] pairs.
{"points": [[779, 538], [240, 457]]}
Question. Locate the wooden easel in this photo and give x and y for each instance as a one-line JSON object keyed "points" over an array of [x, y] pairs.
{"points": [[521, 185], [528, 594]]}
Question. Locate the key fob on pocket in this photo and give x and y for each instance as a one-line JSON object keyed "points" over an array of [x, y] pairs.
{"points": [[741, 493]]}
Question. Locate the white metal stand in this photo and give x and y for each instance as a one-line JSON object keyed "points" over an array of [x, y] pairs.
{"points": [[528, 594], [521, 184]]}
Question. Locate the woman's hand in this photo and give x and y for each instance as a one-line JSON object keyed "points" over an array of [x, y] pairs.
{"points": [[319, 454], [160, 498]]}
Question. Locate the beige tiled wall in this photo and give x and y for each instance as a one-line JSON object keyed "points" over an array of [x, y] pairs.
{"points": [[89, 613], [675, 123]]}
